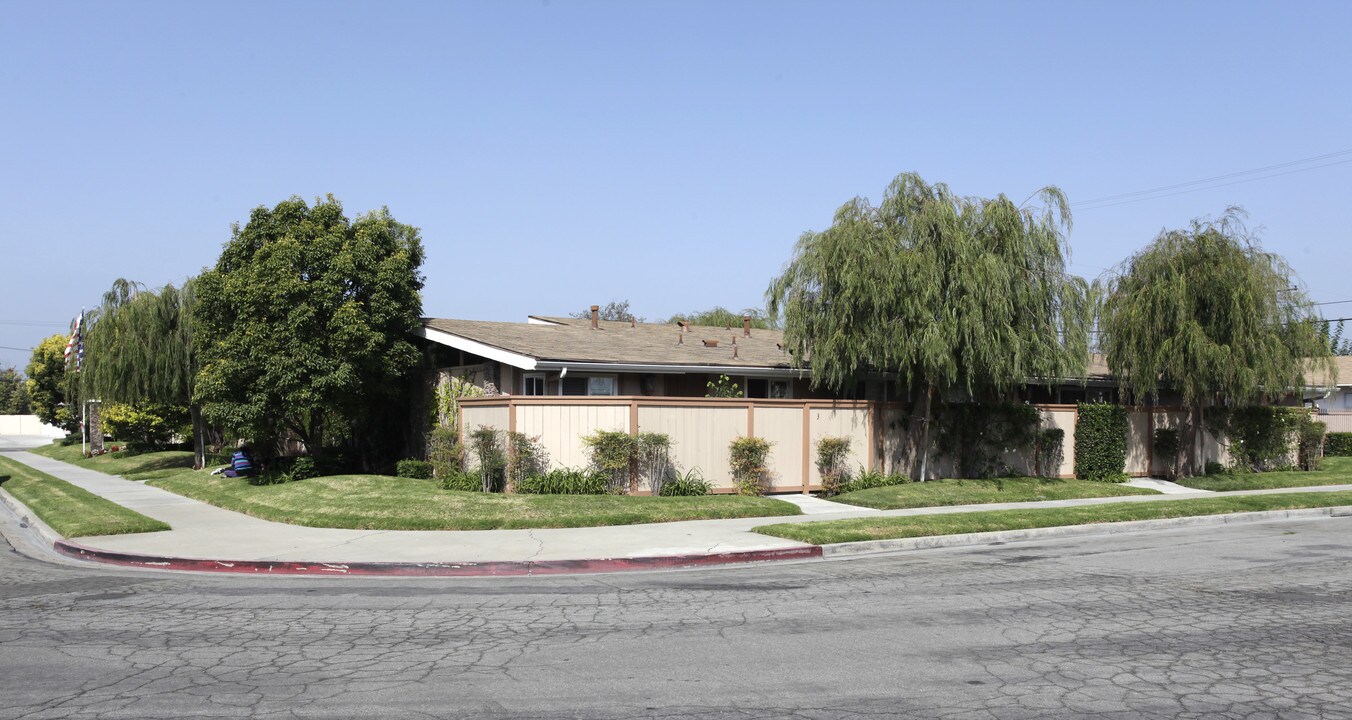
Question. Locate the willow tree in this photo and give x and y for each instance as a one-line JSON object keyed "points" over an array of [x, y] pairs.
{"points": [[955, 295], [1205, 313], [139, 349]]}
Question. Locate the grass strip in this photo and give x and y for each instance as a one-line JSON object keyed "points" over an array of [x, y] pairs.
{"points": [[936, 493], [69, 510], [142, 466], [888, 528], [1332, 471], [379, 502]]}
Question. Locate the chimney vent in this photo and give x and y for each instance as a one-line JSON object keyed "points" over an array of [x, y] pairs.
{"points": [[685, 326], [734, 348], [596, 316], [746, 325], [680, 339], [710, 343]]}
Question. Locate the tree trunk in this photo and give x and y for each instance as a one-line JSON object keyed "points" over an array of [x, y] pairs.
{"points": [[925, 439], [1187, 446], [199, 440]]}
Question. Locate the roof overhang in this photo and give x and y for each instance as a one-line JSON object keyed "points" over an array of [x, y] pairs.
{"points": [[525, 362], [657, 369]]}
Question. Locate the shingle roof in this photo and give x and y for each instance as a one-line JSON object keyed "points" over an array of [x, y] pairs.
{"points": [[571, 339], [1342, 364]]}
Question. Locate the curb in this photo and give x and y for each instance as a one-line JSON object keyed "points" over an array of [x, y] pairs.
{"points": [[866, 547], [31, 519], [440, 569]]}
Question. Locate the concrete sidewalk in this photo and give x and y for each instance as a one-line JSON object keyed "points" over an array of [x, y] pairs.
{"points": [[204, 531]]}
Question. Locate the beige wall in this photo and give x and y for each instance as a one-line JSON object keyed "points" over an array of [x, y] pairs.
{"points": [[561, 428], [28, 425], [833, 422], [699, 436]]}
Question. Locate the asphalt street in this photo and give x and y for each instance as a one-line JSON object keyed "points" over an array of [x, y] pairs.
{"points": [[1243, 621]]}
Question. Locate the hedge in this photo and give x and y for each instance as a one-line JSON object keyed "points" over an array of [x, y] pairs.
{"points": [[1338, 443], [1101, 442]]}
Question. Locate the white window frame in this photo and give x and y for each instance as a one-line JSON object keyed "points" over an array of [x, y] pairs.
{"points": [[527, 377]]}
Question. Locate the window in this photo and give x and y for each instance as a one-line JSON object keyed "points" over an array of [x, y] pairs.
{"points": [[588, 385], [533, 384], [767, 388], [1347, 399]]}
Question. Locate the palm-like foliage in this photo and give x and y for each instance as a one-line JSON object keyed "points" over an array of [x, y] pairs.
{"points": [[1206, 313], [950, 293]]}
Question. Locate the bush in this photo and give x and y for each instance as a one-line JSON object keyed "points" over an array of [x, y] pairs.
{"points": [[71, 439], [1309, 442], [1101, 442], [975, 435], [526, 456], [143, 427], [1215, 468], [1338, 444], [486, 442], [565, 481], [748, 456], [831, 454], [614, 453], [303, 468], [333, 461], [691, 484], [654, 459], [1048, 452], [1262, 438], [867, 479], [462, 481], [1165, 445], [416, 469], [443, 451]]}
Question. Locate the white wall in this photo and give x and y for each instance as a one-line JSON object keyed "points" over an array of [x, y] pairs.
{"points": [[28, 425]]}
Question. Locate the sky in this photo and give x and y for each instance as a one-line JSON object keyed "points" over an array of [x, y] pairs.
{"points": [[559, 154]]}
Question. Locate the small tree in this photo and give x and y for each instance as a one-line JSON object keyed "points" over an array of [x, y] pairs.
{"points": [[614, 453], [831, 455], [486, 443], [723, 387], [654, 459], [748, 457], [526, 457]]}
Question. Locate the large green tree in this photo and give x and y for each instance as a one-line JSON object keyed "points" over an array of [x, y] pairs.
{"points": [[13, 393], [304, 325], [1205, 313], [139, 350], [957, 296], [53, 396]]}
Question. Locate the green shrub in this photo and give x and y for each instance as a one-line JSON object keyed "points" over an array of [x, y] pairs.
{"points": [[1309, 442], [1048, 452], [1215, 468], [72, 439], [303, 468], [1262, 438], [692, 483], [614, 453], [1101, 442], [526, 456], [866, 479], [462, 481], [1338, 444], [416, 469], [333, 461], [724, 387], [565, 481], [443, 451], [1165, 446], [486, 442], [975, 435], [654, 459], [748, 456], [831, 455], [143, 426]]}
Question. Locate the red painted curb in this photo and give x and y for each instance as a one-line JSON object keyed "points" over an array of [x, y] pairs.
{"points": [[437, 569]]}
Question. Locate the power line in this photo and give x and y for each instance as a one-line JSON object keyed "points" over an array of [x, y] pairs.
{"points": [[1208, 187], [1175, 186], [6, 347], [41, 323]]}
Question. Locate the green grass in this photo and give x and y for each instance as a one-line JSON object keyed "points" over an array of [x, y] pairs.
{"points": [[975, 492], [887, 528], [145, 466], [70, 510], [379, 502], [1332, 471]]}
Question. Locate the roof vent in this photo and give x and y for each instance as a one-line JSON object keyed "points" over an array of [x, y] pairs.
{"points": [[746, 326], [710, 343], [595, 316]]}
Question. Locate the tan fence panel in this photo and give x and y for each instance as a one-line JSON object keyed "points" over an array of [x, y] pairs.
{"points": [[783, 427], [838, 422], [494, 416], [1337, 422], [1063, 418], [700, 436], [562, 427], [1139, 437]]}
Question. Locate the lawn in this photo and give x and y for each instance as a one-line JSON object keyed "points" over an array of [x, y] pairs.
{"points": [[975, 492], [378, 502], [887, 528], [1332, 471], [71, 511], [144, 466]]}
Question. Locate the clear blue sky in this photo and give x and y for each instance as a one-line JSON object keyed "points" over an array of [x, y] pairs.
{"points": [[557, 154]]}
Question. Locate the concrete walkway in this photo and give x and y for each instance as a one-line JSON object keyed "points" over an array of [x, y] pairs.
{"points": [[205, 531], [1164, 486]]}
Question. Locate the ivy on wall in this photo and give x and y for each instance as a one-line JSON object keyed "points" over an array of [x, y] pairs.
{"points": [[1101, 442]]}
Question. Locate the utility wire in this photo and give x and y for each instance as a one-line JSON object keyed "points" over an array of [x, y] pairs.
{"points": [[1208, 187], [1175, 186]]}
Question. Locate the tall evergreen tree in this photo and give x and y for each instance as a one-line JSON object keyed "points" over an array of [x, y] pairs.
{"points": [[305, 325], [1206, 313], [953, 294]]}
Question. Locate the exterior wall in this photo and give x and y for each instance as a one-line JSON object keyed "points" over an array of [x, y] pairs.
{"points": [[561, 427], [28, 425], [1338, 402], [1339, 422]]}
